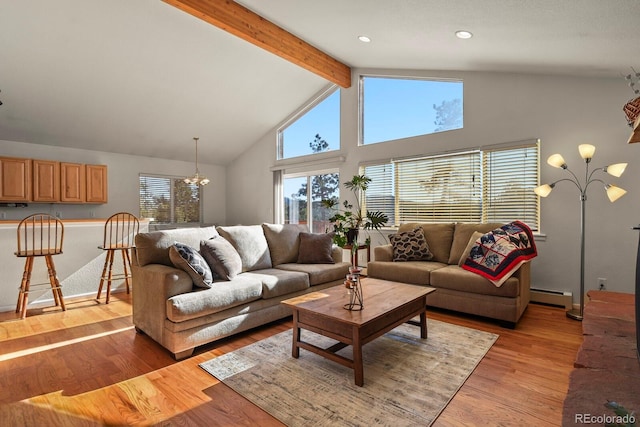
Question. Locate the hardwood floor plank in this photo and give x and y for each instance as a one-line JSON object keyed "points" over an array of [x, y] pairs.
{"points": [[88, 366]]}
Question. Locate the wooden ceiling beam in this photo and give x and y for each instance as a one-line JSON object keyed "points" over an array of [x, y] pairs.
{"points": [[242, 22]]}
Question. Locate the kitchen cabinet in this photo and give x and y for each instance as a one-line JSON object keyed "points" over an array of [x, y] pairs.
{"points": [[97, 184], [46, 181], [15, 179], [72, 182]]}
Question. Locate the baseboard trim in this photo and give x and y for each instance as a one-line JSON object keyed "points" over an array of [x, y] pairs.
{"points": [[551, 297]]}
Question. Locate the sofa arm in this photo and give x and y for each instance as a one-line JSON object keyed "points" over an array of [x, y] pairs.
{"points": [[524, 277], [383, 253], [153, 285]]}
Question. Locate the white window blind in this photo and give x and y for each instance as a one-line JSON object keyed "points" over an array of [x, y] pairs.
{"points": [[510, 175], [380, 194], [168, 200], [439, 189], [486, 185]]}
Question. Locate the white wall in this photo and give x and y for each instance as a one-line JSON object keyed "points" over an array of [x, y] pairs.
{"points": [[562, 111], [80, 265]]}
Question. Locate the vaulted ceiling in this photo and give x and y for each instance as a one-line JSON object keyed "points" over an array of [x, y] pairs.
{"points": [[143, 77]]}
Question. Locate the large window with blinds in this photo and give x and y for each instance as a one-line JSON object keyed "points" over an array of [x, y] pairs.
{"points": [[492, 184], [169, 200]]}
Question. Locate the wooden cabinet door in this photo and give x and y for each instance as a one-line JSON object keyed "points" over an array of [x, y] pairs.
{"points": [[15, 179], [46, 181], [97, 186], [72, 182]]}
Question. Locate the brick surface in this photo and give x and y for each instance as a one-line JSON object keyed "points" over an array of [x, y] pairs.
{"points": [[606, 367]]}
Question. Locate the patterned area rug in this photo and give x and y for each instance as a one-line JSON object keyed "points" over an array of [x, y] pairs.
{"points": [[407, 381]]}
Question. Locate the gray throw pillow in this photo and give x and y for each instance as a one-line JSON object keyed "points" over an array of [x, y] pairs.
{"points": [[188, 259], [410, 246], [222, 257], [315, 248]]}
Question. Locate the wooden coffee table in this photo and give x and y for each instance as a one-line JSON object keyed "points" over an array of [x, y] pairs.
{"points": [[386, 305]]}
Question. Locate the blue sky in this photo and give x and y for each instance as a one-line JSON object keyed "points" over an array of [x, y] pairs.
{"points": [[394, 108]]}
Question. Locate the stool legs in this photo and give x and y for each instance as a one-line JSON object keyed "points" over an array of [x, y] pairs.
{"points": [[107, 272], [23, 295]]}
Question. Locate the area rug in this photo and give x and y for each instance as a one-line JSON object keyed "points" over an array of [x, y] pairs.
{"points": [[407, 380]]}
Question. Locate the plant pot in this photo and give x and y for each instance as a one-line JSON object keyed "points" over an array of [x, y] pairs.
{"points": [[352, 236]]}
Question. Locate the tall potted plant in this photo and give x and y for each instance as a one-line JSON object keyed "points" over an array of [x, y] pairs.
{"points": [[349, 219]]}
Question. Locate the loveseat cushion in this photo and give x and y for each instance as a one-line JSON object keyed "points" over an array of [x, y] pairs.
{"points": [[153, 247], [413, 272], [320, 273], [276, 282], [283, 241], [222, 257], [455, 278], [461, 236], [439, 238], [221, 296], [251, 245], [189, 259], [315, 248]]}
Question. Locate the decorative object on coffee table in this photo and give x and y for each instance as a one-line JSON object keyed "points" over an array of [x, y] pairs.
{"points": [[354, 289], [613, 192]]}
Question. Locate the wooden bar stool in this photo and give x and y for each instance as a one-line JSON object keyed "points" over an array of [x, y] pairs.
{"points": [[119, 233], [39, 235]]}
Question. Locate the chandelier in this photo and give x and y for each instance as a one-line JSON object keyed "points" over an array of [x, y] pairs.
{"points": [[197, 179]]}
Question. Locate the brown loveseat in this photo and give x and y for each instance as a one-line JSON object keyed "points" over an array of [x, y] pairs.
{"points": [[458, 289], [171, 309]]}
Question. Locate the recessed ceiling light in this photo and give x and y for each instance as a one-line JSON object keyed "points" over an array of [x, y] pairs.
{"points": [[364, 39], [463, 34]]}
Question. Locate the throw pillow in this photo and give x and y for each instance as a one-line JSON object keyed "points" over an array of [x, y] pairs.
{"points": [[410, 246], [189, 259], [472, 241], [222, 257], [251, 245], [315, 248]]}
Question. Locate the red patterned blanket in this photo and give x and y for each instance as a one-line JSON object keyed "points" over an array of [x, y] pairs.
{"points": [[497, 254]]}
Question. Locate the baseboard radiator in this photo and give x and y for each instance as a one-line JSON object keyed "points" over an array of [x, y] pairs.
{"points": [[546, 296]]}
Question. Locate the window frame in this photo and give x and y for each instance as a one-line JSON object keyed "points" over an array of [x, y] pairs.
{"points": [[308, 107], [361, 104], [308, 175], [172, 201]]}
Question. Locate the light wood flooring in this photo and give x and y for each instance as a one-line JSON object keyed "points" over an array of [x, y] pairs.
{"points": [[87, 366]]}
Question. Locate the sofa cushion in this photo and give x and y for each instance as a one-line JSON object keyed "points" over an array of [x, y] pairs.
{"points": [[461, 237], [251, 245], [410, 246], [413, 272], [438, 236], [467, 250], [315, 248], [456, 278], [153, 247], [221, 296], [189, 259], [283, 241], [222, 257], [320, 273], [276, 282]]}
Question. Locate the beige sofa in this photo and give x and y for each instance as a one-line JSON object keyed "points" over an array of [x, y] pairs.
{"points": [[458, 289], [169, 308]]}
